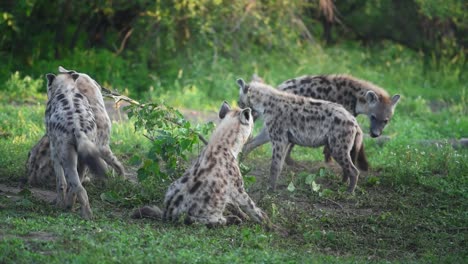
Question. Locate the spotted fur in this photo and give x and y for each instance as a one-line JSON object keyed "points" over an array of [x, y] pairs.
{"points": [[39, 166], [355, 95], [72, 132], [214, 181], [291, 119]]}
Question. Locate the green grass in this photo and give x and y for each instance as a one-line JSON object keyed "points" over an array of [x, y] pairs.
{"points": [[410, 207]]}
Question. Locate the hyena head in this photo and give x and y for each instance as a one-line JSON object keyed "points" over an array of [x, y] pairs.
{"points": [[380, 111], [238, 120], [86, 85], [58, 82], [244, 98]]}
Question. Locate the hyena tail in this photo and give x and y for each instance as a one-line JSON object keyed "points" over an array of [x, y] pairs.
{"points": [[152, 212], [357, 153], [89, 154]]}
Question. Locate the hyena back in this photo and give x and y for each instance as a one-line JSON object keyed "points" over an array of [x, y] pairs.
{"points": [[72, 133], [214, 181], [355, 95], [291, 119]]}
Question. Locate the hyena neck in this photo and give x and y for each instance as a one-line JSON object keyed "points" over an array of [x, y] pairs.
{"points": [[226, 138], [358, 89], [260, 95]]}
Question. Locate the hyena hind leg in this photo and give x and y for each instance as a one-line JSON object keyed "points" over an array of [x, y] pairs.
{"points": [[75, 188], [111, 159], [209, 221], [349, 170]]}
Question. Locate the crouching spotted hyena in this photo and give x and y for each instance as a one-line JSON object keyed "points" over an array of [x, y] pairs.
{"points": [[214, 182], [72, 132], [291, 119], [355, 95], [39, 165]]}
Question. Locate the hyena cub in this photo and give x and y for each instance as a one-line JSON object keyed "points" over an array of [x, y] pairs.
{"points": [[291, 119], [214, 181], [72, 132], [355, 95]]}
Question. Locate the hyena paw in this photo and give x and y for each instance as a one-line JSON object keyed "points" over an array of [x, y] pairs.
{"points": [[233, 220]]}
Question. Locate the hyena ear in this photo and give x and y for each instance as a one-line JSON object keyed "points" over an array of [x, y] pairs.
{"points": [[371, 97], [242, 85], [50, 78], [245, 116], [256, 78], [395, 99], [75, 76], [225, 108], [63, 70]]}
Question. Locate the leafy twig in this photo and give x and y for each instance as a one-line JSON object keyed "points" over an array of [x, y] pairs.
{"points": [[119, 98]]}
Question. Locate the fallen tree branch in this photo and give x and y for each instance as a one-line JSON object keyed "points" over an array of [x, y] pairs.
{"points": [[118, 98]]}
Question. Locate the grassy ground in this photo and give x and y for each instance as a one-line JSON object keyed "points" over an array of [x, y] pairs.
{"points": [[410, 207]]}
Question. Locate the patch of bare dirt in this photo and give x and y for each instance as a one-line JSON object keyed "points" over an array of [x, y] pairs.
{"points": [[14, 193]]}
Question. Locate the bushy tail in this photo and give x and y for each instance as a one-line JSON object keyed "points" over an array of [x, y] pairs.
{"points": [[89, 154], [152, 212], [357, 153]]}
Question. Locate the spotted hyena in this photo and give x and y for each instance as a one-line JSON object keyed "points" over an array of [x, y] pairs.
{"points": [[291, 119], [39, 166], [71, 128], [214, 181], [355, 95]]}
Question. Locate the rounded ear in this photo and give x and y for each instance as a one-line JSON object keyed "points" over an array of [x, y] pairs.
{"points": [[75, 76], [371, 97], [256, 78], [395, 99], [242, 85], [63, 70], [245, 116], [225, 108], [50, 78]]}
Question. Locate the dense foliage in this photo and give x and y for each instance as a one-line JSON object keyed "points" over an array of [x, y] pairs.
{"points": [[139, 44]]}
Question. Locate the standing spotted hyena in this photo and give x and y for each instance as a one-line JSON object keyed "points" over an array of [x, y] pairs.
{"points": [[39, 166], [291, 119], [355, 95], [72, 132], [214, 181]]}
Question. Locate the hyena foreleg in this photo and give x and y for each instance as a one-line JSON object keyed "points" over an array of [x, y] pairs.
{"points": [[257, 141], [246, 204]]}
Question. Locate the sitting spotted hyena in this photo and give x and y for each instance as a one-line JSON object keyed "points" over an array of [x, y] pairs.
{"points": [[72, 132], [291, 119], [39, 166], [214, 181], [355, 95]]}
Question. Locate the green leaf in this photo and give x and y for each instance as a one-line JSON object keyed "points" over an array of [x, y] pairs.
{"points": [[291, 187], [310, 179], [315, 186]]}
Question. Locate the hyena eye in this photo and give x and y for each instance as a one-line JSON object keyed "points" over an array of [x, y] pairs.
{"points": [[386, 121]]}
